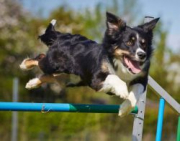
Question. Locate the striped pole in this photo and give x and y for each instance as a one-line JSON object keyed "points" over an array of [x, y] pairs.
{"points": [[61, 107], [160, 119]]}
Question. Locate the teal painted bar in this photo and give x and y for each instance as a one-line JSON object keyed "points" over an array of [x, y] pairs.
{"points": [[160, 119], [61, 107], [178, 130]]}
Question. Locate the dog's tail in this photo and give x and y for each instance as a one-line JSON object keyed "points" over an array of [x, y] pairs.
{"points": [[50, 34]]}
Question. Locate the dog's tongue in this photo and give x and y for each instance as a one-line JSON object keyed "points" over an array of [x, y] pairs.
{"points": [[133, 65]]}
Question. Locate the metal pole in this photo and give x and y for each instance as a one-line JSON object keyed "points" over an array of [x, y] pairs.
{"points": [[139, 119], [15, 114], [60, 107], [160, 119], [162, 93]]}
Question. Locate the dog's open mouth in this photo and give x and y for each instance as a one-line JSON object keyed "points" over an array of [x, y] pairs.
{"points": [[132, 65]]}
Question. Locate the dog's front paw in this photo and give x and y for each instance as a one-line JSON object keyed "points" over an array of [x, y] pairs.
{"points": [[121, 91], [33, 83], [119, 87], [113, 84], [125, 108]]}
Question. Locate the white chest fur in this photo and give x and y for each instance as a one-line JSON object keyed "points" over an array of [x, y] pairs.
{"points": [[123, 72]]}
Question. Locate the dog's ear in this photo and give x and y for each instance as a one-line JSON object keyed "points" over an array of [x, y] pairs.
{"points": [[114, 23], [51, 26], [149, 26], [50, 34]]}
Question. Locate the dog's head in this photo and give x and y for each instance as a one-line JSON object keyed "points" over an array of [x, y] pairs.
{"points": [[131, 45]]}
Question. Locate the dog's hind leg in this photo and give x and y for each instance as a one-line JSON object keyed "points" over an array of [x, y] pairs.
{"points": [[37, 82], [30, 63]]}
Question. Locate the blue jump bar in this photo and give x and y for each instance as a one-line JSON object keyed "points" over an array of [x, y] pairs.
{"points": [[21, 106], [160, 119], [61, 107]]}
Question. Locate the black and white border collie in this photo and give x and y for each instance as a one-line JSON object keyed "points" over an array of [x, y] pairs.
{"points": [[118, 66]]}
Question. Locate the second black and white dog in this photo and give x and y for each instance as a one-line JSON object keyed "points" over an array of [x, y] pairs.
{"points": [[118, 66]]}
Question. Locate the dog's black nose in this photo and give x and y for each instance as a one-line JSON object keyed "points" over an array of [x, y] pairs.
{"points": [[141, 55]]}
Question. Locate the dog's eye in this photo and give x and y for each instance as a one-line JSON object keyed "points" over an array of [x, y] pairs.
{"points": [[133, 38], [143, 43], [129, 43]]}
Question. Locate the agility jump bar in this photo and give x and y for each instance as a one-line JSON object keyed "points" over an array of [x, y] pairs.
{"points": [[61, 107]]}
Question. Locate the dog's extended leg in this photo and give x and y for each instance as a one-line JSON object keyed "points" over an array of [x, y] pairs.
{"points": [[115, 85], [28, 63], [37, 82], [128, 104]]}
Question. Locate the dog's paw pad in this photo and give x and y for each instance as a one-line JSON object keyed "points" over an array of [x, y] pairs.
{"points": [[33, 83], [24, 66]]}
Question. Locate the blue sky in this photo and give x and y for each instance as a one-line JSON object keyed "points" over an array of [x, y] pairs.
{"points": [[167, 10]]}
